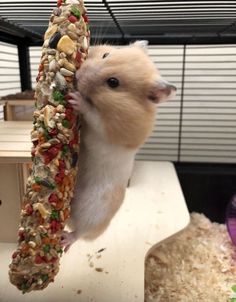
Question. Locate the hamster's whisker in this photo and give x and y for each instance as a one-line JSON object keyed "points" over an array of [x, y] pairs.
{"points": [[106, 28], [95, 37], [100, 29], [98, 34], [101, 32]]}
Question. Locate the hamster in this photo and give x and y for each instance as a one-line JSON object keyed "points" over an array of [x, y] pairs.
{"points": [[117, 93]]}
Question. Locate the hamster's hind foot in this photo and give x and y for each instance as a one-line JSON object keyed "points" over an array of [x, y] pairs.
{"points": [[67, 239]]}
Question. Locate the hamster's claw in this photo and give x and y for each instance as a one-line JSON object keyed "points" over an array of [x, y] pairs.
{"points": [[76, 95], [76, 100], [67, 239], [74, 104]]}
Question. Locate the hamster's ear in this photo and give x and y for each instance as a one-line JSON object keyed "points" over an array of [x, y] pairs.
{"points": [[141, 44], [161, 91]]}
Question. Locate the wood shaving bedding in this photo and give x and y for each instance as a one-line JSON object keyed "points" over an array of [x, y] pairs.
{"points": [[197, 265]]}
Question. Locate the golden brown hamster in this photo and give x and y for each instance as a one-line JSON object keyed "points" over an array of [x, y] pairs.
{"points": [[118, 89]]}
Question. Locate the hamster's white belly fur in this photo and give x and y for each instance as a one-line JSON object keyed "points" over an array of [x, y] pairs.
{"points": [[104, 170]]}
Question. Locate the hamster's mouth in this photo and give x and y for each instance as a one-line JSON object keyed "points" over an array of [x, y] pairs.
{"points": [[89, 100], [86, 98]]}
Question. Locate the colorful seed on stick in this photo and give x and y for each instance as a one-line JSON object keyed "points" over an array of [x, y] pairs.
{"points": [[55, 149]]}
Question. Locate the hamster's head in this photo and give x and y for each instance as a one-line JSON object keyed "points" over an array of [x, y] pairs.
{"points": [[124, 86]]}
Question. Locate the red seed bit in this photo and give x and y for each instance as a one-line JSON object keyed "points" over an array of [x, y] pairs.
{"points": [[58, 146], [72, 19], [53, 151], [45, 259], [29, 209], [47, 158], [40, 67], [58, 179], [14, 255], [55, 226], [85, 18], [53, 198], [78, 57], [53, 132], [38, 76], [72, 143], [62, 173], [69, 114], [21, 235], [53, 260], [38, 259], [59, 2], [62, 164]]}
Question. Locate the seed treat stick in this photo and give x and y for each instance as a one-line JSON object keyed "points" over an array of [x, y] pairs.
{"points": [[46, 204]]}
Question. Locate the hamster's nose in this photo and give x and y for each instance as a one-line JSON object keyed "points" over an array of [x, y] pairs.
{"points": [[163, 84]]}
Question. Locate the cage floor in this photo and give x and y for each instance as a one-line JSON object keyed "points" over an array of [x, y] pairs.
{"points": [[197, 265], [154, 209]]}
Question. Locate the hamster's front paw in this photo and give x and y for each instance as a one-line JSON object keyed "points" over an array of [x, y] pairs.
{"points": [[67, 239], [76, 100]]}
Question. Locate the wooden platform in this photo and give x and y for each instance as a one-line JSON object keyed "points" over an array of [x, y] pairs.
{"points": [[15, 144], [16, 109], [154, 210]]}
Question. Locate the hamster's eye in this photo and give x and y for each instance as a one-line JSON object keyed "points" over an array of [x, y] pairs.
{"points": [[105, 55], [113, 82]]}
